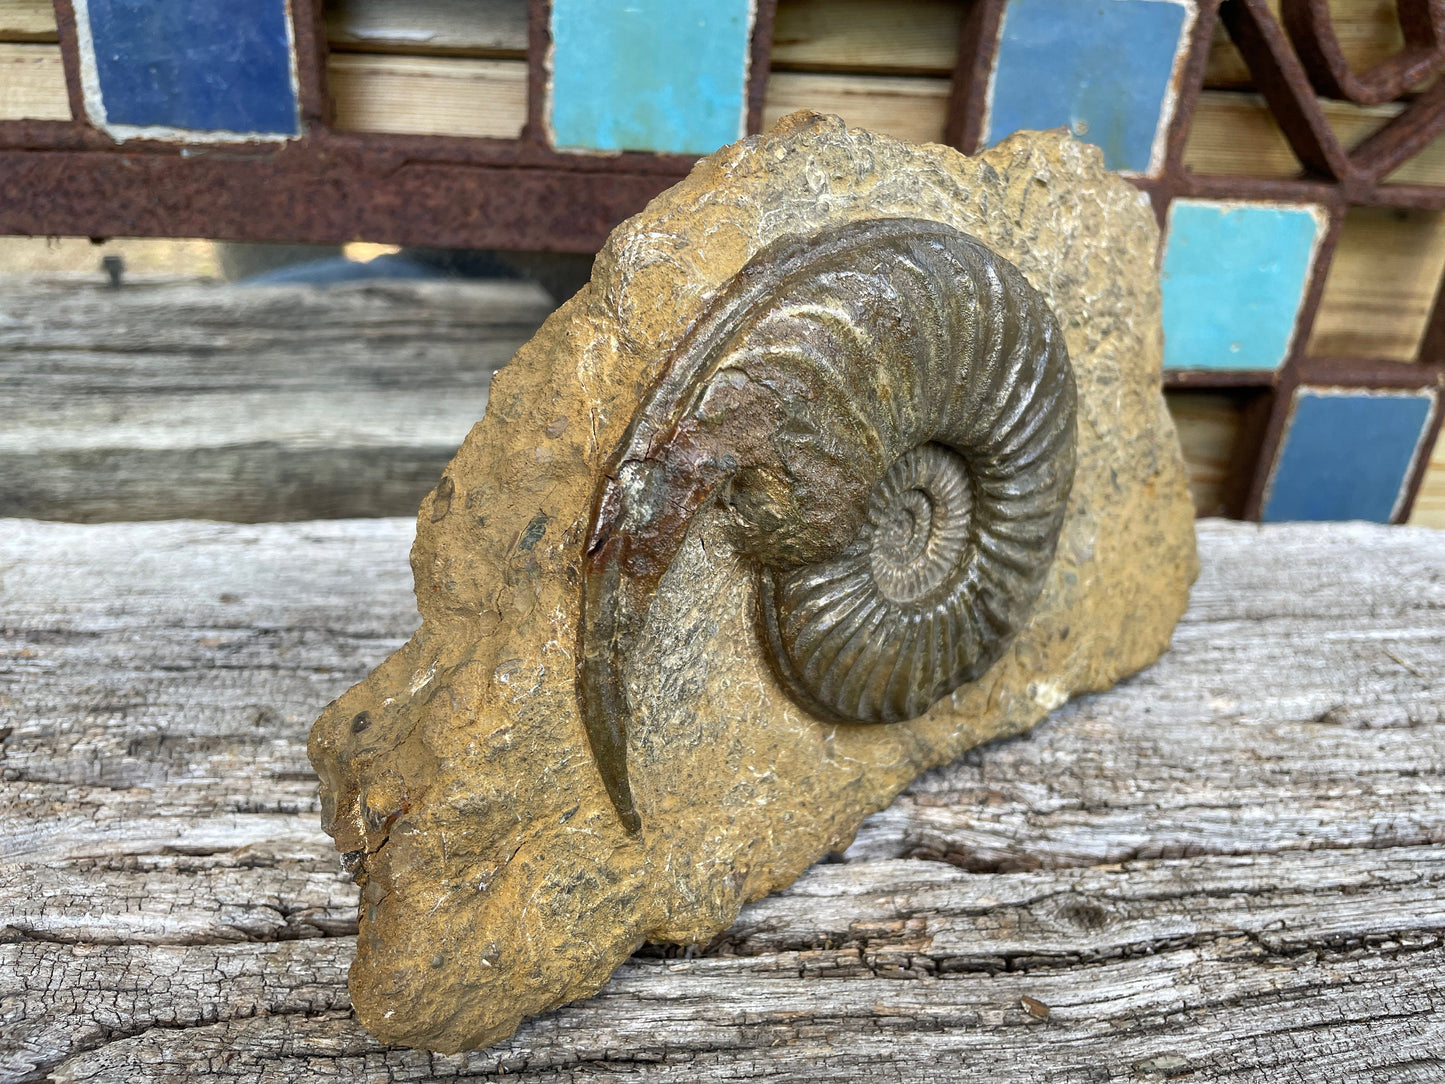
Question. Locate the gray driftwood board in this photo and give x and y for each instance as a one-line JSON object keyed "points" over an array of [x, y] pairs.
{"points": [[166, 399], [1230, 867]]}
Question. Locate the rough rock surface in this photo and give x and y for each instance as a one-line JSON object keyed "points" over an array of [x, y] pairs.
{"points": [[497, 880]]}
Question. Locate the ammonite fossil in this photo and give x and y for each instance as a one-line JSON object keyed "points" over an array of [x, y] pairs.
{"points": [[794, 465], [886, 413]]}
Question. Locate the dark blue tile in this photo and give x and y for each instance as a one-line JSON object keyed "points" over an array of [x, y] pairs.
{"points": [[199, 65], [1346, 454]]}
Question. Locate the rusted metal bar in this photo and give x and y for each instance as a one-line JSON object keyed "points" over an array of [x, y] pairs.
{"points": [[968, 96], [1404, 137], [1272, 434], [312, 51], [1422, 24], [70, 57], [318, 197], [760, 61], [1315, 286], [1279, 76], [539, 47], [1173, 176]]}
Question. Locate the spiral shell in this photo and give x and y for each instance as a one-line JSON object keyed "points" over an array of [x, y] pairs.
{"points": [[886, 411]]}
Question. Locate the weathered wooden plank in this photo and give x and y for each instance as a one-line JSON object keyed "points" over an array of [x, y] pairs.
{"points": [[905, 107], [207, 685], [32, 83], [1234, 133], [1209, 424], [159, 679], [878, 37], [1228, 867], [28, 20], [1429, 510], [855, 969], [1381, 285], [426, 95], [1312, 706], [162, 400], [479, 28]]}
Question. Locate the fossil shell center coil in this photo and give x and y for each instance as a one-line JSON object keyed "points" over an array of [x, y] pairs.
{"points": [[878, 633]]}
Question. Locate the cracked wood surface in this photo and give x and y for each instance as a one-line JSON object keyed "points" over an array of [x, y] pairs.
{"points": [[167, 399], [1229, 867], [171, 398]]}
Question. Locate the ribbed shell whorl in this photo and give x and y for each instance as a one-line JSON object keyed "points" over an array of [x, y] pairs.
{"points": [[887, 413]]}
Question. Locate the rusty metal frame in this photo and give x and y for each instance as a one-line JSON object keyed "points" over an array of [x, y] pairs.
{"points": [[1292, 65], [332, 186]]}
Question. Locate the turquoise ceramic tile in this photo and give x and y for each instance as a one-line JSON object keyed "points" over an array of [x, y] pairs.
{"points": [[649, 75], [1233, 277], [1102, 68], [1347, 454], [187, 69]]}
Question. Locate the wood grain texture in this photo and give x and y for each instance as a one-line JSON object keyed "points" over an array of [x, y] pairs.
{"points": [[28, 20], [905, 107], [32, 83], [479, 28], [877, 37], [1367, 30], [163, 400], [1381, 284], [1429, 510], [1209, 425], [1230, 867], [424, 95], [1234, 133]]}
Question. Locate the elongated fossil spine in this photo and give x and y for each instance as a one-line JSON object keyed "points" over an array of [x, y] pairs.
{"points": [[886, 413]]}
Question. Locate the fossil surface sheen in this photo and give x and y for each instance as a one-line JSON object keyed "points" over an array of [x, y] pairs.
{"points": [[851, 456], [889, 388]]}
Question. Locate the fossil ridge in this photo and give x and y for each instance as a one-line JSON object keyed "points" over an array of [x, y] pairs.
{"points": [[497, 879]]}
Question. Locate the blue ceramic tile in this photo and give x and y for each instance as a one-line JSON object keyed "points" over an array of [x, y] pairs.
{"points": [[1346, 455], [197, 65], [1099, 67], [1233, 278], [649, 75]]}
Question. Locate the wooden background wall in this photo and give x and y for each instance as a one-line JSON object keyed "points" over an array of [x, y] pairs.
{"points": [[458, 68]]}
